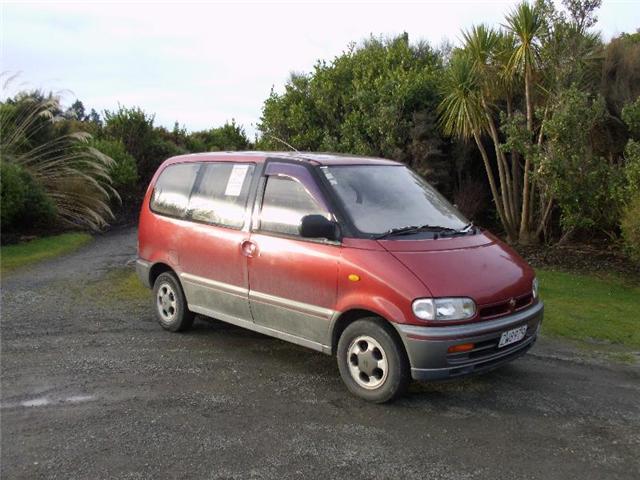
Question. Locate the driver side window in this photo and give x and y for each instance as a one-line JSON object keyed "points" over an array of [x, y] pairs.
{"points": [[284, 204]]}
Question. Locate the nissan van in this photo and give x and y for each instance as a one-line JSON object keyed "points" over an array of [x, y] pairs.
{"points": [[355, 257]]}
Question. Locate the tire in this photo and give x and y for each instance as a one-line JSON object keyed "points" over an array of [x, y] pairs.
{"points": [[372, 361], [170, 305]]}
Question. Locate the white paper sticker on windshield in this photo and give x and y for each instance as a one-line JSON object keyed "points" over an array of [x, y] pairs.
{"points": [[236, 179], [329, 176]]}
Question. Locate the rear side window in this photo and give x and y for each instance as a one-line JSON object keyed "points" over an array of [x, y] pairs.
{"points": [[172, 189], [284, 204], [220, 195]]}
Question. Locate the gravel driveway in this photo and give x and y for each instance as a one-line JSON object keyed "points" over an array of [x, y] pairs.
{"points": [[93, 388]]}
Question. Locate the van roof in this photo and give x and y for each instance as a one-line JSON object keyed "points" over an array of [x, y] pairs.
{"points": [[316, 158]]}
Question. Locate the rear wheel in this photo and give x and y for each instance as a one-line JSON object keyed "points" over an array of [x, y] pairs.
{"points": [[170, 305], [372, 362]]}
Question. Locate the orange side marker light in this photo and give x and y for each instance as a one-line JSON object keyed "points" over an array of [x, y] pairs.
{"points": [[463, 347]]}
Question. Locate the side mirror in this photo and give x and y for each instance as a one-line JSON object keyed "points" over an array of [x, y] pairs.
{"points": [[317, 226]]}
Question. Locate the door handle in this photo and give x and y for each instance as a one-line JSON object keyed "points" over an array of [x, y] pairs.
{"points": [[249, 248]]}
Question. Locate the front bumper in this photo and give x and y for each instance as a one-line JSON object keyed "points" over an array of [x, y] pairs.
{"points": [[427, 347]]}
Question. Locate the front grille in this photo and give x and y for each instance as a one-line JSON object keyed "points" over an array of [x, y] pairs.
{"points": [[524, 301], [494, 310], [505, 307]]}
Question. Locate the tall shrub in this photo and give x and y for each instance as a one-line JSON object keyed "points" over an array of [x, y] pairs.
{"points": [[123, 171], [73, 176], [377, 98], [582, 181], [631, 227], [24, 206]]}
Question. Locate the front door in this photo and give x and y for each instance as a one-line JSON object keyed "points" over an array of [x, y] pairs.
{"points": [[214, 270], [292, 280]]}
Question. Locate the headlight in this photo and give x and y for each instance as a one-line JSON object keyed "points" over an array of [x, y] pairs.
{"points": [[534, 288], [444, 308]]}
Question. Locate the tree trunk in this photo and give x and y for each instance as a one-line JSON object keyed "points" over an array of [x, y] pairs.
{"points": [[527, 94], [515, 170], [511, 233], [542, 226], [516, 181], [503, 172], [527, 237], [565, 237]]}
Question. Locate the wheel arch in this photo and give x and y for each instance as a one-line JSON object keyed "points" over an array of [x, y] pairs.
{"points": [[157, 269], [348, 317]]}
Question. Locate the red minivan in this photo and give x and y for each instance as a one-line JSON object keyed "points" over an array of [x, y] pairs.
{"points": [[351, 256]]}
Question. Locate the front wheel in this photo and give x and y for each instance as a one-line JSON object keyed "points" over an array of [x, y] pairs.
{"points": [[372, 362], [170, 304]]}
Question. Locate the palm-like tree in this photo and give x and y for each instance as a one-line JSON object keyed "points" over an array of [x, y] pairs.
{"points": [[72, 174], [462, 113], [507, 80], [506, 84], [482, 45], [526, 23]]}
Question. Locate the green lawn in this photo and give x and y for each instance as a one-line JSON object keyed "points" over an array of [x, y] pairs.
{"points": [[585, 307], [15, 256]]}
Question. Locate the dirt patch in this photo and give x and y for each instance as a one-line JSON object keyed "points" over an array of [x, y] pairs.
{"points": [[598, 259]]}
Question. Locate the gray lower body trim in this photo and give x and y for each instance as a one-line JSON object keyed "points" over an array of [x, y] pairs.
{"points": [[281, 302], [221, 298], [299, 319], [262, 329], [220, 286], [143, 268], [296, 322]]}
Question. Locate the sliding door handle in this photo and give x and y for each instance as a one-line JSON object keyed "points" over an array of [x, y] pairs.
{"points": [[249, 249]]}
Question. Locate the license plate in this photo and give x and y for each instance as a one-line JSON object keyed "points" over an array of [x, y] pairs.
{"points": [[512, 336]]}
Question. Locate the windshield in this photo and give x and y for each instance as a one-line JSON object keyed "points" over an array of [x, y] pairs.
{"points": [[379, 198]]}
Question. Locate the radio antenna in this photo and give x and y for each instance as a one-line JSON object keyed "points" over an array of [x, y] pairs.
{"points": [[285, 143]]}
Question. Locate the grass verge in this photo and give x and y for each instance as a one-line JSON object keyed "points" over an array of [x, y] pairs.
{"points": [[118, 284], [117, 289], [27, 253], [590, 308]]}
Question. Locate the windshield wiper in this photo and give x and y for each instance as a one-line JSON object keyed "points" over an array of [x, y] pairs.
{"points": [[438, 229], [468, 228], [409, 229]]}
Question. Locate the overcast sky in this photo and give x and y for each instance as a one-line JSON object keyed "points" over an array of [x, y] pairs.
{"points": [[202, 63]]}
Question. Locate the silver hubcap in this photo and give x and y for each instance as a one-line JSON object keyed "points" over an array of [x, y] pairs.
{"points": [[367, 362], [166, 302]]}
